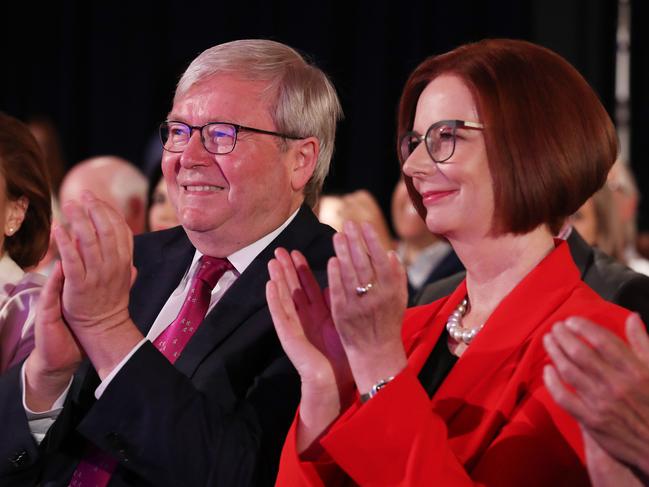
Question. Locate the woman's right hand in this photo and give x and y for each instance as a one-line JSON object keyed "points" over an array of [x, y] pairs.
{"points": [[302, 319]]}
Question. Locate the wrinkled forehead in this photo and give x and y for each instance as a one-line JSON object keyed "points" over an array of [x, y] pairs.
{"points": [[233, 86], [225, 99]]}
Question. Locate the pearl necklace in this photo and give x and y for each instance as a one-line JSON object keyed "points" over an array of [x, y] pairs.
{"points": [[454, 324]]}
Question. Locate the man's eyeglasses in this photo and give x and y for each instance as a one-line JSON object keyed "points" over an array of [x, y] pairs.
{"points": [[439, 139], [217, 137]]}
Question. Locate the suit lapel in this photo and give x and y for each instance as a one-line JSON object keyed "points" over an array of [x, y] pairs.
{"points": [[164, 264], [247, 295]]}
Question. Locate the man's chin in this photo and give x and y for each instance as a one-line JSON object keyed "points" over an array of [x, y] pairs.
{"points": [[198, 224]]}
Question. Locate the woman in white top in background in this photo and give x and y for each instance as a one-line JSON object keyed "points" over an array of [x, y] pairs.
{"points": [[25, 219]]}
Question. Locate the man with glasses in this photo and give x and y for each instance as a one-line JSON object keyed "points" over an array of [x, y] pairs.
{"points": [[167, 397]]}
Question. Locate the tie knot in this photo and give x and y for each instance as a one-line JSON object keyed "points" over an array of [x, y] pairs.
{"points": [[211, 269]]}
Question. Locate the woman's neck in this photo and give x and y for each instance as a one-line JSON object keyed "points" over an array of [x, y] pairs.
{"points": [[495, 265]]}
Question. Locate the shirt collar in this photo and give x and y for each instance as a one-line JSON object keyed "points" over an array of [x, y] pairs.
{"points": [[242, 258]]}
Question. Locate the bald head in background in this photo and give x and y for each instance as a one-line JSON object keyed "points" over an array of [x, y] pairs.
{"points": [[114, 180]]}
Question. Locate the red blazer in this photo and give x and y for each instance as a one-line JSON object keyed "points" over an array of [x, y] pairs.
{"points": [[491, 422]]}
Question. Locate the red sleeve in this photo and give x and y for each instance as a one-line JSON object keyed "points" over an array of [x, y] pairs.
{"points": [[294, 472], [380, 443]]}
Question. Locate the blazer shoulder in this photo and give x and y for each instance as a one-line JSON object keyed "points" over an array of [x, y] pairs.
{"points": [[306, 234]]}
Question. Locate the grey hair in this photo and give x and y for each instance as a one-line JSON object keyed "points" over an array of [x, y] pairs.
{"points": [[305, 101]]}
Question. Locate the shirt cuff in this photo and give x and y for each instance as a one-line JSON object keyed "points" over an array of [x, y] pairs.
{"points": [[40, 422], [107, 380]]}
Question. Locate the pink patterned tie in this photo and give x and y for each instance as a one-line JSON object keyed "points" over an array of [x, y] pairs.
{"points": [[172, 341], [96, 468]]}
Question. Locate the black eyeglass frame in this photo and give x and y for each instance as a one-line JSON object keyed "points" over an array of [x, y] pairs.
{"points": [[454, 124], [237, 128]]}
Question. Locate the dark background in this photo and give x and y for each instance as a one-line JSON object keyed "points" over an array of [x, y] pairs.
{"points": [[105, 72]]}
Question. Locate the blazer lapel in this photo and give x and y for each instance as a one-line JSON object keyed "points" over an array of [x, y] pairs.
{"points": [[470, 396]]}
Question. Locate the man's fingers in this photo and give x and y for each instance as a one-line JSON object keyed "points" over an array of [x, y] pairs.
{"points": [[608, 345], [49, 301], [636, 333], [561, 395], [103, 227], [82, 231], [73, 267], [562, 349]]}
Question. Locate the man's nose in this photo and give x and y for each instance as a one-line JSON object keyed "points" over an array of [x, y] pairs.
{"points": [[195, 153]]}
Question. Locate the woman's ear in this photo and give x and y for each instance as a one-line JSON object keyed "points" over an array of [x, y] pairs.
{"points": [[15, 215], [305, 158]]}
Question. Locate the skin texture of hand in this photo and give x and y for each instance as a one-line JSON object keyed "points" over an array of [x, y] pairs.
{"points": [[56, 353], [604, 384], [369, 325], [96, 255], [305, 329], [604, 470]]}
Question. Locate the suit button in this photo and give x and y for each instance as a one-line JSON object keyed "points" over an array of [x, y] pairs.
{"points": [[19, 459]]}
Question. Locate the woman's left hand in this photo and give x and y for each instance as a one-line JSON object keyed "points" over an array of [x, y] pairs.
{"points": [[368, 294]]}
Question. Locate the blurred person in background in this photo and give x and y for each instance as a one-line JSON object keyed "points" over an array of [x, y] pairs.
{"points": [[160, 214], [113, 180], [25, 216], [598, 222], [626, 196], [358, 206]]}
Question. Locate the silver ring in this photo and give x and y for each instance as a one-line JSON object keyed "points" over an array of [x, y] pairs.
{"points": [[361, 290]]}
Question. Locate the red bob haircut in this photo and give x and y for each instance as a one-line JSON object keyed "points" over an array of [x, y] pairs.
{"points": [[549, 141]]}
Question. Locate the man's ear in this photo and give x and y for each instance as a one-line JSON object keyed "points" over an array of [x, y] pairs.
{"points": [[15, 215], [305, 157]]}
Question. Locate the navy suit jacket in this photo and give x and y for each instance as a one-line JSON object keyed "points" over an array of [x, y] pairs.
{"points": [[218, 416]]}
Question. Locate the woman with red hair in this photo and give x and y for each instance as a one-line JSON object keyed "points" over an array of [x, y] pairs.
{"points": [[499, 142]]}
